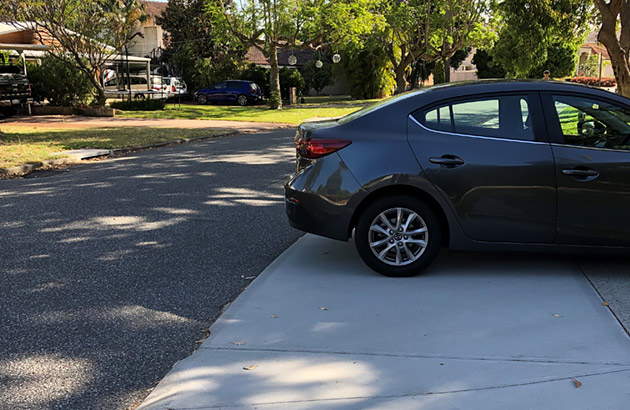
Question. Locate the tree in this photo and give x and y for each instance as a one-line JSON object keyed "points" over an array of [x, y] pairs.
{"points": [[529, 30], [86, 34], [615, 14], [317, 78], [486, 66], [561, 60], [192, 51], [429, 31], [270, 24], [368, 69]]}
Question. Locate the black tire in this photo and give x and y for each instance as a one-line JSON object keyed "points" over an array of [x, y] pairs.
{"points": [[202, 99], [409, 267], [8, 112], [242, 100]]}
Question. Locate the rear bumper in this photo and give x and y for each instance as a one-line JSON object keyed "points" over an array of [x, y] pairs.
{"points": [[321, 198]]}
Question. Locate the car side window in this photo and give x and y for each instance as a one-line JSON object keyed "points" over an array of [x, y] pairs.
{"points": [[500, 117], [591, 123], [439, 118]]}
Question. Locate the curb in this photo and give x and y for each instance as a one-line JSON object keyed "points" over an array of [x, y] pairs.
{"points": [[21, 170]]}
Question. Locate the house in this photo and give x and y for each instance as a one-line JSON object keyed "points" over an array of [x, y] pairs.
{"points": [[466, 70], [31, 41], [593, 49], [152, 42]]}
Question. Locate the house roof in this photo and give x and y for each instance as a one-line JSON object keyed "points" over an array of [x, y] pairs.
{"points": [[597, 49], [256, 56], [154, 8]]}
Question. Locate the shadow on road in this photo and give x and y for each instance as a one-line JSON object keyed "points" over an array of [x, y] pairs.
{"points": [[111, 271]]}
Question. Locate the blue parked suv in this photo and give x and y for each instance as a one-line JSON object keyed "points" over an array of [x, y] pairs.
{"points": [[240, 92]]}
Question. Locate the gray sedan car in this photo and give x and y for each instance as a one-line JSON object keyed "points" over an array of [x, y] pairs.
{"points": [[488, 165]]}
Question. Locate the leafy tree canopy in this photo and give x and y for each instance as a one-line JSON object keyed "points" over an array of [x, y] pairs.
{"points": [[528, 30]]}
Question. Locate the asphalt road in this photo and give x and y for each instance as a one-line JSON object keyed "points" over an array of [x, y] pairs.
{"points": [[111, 271]]}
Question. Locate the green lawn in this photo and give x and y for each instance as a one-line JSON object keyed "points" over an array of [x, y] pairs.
{"points": [[289, 114], [21, 145]]}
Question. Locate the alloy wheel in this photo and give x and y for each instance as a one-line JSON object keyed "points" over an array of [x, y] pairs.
{"points": [[398, 236]]}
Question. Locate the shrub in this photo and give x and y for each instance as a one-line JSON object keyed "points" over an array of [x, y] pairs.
{"points": [[317, 78], [291, 77], [59, 83], [274, 100], [594, 81], [139, 105]]}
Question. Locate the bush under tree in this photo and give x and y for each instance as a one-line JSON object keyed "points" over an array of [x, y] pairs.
{"points": [[60, 83], [317, 78], [291, 77]]}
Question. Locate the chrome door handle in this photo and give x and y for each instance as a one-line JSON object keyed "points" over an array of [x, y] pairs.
{"points": [[581, 173], [447, 160], [577, 172]]}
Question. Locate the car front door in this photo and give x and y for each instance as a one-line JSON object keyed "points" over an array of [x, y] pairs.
{"points": [[490, 158], [591, 143]]}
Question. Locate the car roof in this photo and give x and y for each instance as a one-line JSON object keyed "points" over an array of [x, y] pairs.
{"points": [[383, 113]]}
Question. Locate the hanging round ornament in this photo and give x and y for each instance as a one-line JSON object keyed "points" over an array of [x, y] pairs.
{"points": [[319, 64], [292, 60], [336, 58]]}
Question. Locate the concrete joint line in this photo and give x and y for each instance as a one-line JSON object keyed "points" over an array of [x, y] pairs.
{"points": [[429, 356]]}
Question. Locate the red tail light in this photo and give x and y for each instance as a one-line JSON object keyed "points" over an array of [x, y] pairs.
{"points": [[173, 88], [317, 148]]}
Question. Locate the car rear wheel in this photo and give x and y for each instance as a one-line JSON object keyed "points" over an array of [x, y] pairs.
{"points": [[398, 236], [241, 100], [203, 99]]}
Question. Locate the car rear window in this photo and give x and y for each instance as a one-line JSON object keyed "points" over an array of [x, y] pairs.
{"points": [[234, 84]]}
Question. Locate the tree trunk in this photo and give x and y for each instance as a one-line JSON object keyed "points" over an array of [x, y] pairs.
{"points": [[447, 70], [100, 90], [401, 83], [618, 57], [274, 78]]}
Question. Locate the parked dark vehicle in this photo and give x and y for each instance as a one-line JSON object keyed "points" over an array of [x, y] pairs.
{"points": [[229, 92], [488, 165], [15, 89]]}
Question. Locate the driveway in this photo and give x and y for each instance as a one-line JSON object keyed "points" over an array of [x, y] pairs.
{"points": [[111, 271], [319, 330]]}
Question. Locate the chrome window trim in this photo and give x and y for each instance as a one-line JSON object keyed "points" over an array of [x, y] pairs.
{"points": [[476, 136], [555, 144]]}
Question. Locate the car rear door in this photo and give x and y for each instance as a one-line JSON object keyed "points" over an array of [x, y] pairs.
{"points": [[591, 143], [490, 158]]}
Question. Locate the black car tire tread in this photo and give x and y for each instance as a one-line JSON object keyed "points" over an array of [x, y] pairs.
{"points": [[373, 210]]}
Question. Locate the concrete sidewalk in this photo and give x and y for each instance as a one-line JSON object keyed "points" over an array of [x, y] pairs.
{"points": [[317, 329]]}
